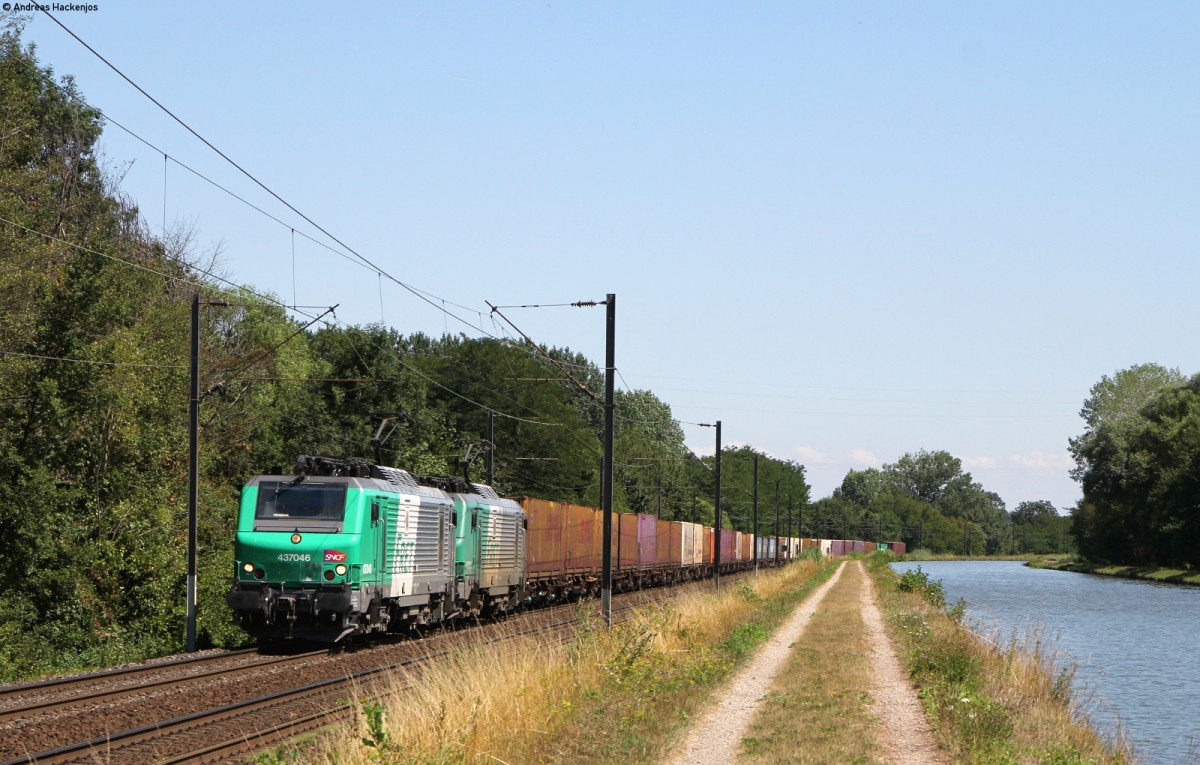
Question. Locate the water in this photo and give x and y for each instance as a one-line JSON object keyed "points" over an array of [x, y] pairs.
{"points": [[1137, 644]]}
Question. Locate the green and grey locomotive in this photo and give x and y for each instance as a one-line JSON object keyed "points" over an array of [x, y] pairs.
{"points": [[345, 547]]}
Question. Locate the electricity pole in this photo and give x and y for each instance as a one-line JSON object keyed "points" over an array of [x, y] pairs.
{"points": [[606, 474], [756, 538]]}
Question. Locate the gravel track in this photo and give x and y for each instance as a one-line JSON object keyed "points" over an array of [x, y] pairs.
{"points": [[718, 735], [905, 735]]}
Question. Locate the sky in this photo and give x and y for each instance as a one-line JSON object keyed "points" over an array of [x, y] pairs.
{"points": [[846, 230]]}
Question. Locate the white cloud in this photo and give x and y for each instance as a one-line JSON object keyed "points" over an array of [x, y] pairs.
{"points": [[865, 457], [1039, 460], [809, 454], [979, 463]]}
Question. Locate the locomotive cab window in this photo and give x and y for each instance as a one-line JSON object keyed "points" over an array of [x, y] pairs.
{"points": [[304, 503]]}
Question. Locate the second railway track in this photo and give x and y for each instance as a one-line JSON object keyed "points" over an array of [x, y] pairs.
{"points": [[225, 712]]}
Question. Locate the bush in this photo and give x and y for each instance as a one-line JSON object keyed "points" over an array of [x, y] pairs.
{"points": [[916, 580]]}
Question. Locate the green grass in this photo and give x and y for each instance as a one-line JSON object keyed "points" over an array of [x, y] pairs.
{"points": [[1150, 573]]}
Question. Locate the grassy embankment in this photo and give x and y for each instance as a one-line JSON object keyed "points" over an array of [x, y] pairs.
{"points": [[923, 555], [621, 695], [1076, 564], [987, 703]]}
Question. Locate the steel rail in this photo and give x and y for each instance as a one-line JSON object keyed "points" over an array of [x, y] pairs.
{"points": [[129, 690]]}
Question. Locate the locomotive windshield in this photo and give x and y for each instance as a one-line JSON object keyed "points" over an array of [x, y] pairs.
{"points": [[293, 500]]}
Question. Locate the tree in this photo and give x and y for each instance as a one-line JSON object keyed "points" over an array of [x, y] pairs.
{"points": [[1140, 470], [932, 477], [1114, 405], [863, 487]]}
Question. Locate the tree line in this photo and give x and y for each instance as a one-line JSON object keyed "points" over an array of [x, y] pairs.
{"points": [[928, 501], [1138, 464], [94, 338]]}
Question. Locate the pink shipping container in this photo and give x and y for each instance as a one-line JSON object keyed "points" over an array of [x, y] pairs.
{"points": [[728, 546], [647, 556], [897, 548], [837, 547]]}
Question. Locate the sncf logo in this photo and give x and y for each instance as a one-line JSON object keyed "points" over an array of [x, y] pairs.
{"points": [[335, 556]]}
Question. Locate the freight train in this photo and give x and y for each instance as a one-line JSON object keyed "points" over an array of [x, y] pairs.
{"points": [[344, 547]]}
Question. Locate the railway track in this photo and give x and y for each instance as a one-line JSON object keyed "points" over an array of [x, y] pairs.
{"points": [[212, 731]]}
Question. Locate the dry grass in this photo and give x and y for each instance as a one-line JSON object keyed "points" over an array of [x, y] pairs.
{"points": [[604, 696], [818, 709], [989, 703]]}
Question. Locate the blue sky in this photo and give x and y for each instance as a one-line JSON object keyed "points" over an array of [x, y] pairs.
{"points": [[848, 231]]}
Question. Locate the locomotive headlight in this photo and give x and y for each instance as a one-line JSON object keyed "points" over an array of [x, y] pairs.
{"points": [[340, 569], [248, 568]]}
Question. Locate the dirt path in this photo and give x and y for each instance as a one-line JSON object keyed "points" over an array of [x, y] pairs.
{"points": [[717, 736], [904, 736]]}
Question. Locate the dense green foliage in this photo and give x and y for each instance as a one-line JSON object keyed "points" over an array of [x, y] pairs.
{"points": [[1139, 466], [927, 501], [94, 336]]}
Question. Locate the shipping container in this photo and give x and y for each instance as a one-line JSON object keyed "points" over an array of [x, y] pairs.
{"points": [[647, 557], [897, 548], [695, 532], [766, 548], [625, 542], [585, 539], [837, 547], [545, 550], [728, 546], [708, 545], [670, 547]]}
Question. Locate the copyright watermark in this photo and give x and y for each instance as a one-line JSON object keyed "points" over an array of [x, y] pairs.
{"points": [[56, 7]]}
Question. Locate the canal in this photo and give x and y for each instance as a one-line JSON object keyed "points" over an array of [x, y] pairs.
{"points": [[1137, 644]]}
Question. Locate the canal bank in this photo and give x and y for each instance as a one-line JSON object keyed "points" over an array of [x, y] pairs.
{"points": [[1150, 574], [1132, 643]]}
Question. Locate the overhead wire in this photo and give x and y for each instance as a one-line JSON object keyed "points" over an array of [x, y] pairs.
{"points": [[361, 259]]}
